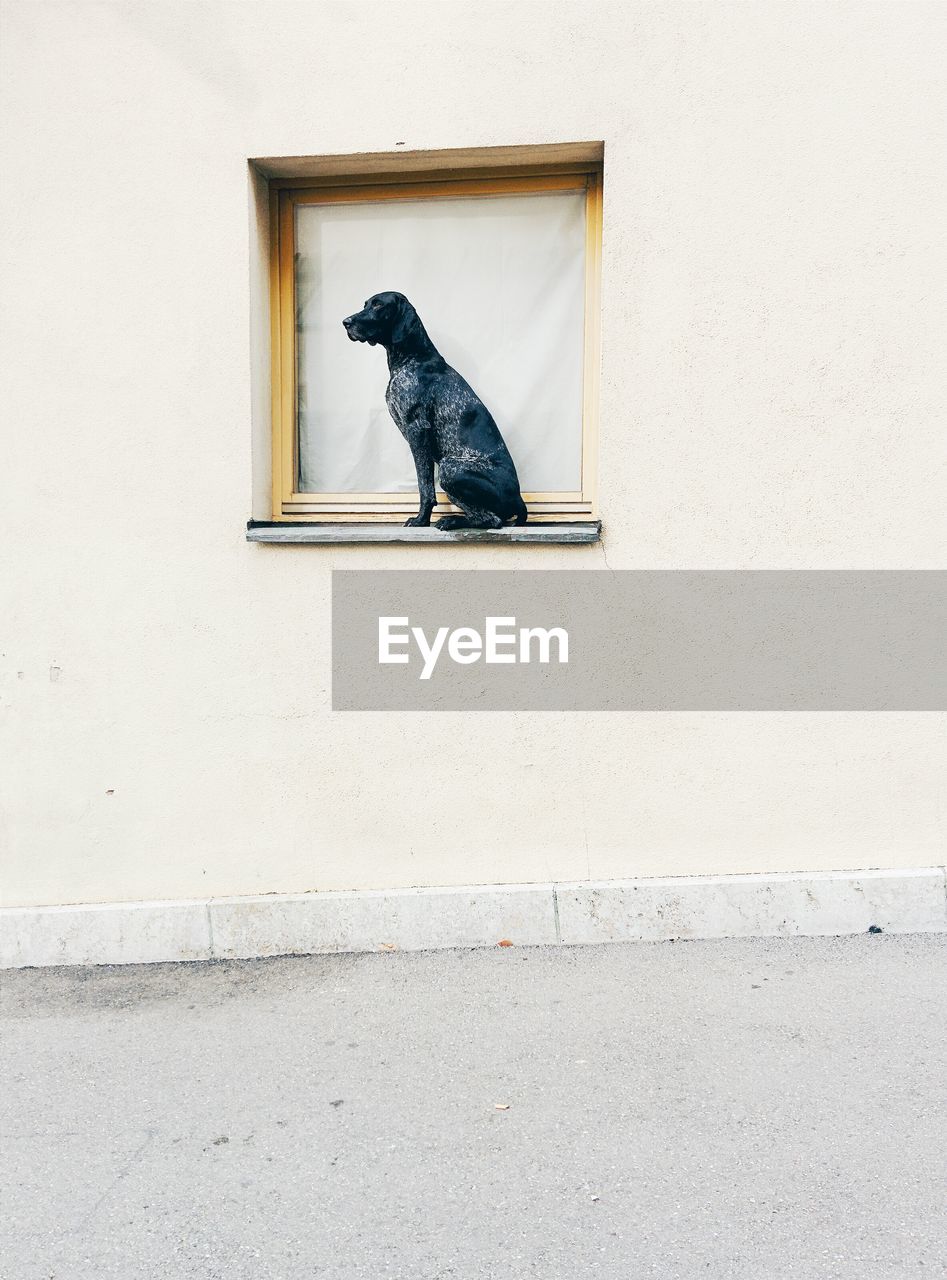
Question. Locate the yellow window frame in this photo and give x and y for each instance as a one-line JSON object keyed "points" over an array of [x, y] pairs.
{"points": [[289, 504]]}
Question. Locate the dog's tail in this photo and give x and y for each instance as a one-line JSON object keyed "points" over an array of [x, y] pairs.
{"points": [[521, 512]]}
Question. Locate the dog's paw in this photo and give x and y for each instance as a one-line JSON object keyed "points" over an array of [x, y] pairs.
{"points": [[417, 522], [447, 523]]}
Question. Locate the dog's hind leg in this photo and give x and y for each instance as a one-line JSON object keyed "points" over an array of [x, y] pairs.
{"points": [[476, 497], [471, 519]]}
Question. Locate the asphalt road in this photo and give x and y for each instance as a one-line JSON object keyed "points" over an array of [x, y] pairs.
{"points": [[752, 1109]]}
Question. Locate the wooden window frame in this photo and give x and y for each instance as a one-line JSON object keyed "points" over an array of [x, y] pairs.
{"points": [[291, 506]]}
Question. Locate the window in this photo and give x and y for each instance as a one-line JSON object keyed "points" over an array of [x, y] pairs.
{"points": [[503, 270]]}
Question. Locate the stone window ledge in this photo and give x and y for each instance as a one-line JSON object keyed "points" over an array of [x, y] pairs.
{"points": [[583, 531]]}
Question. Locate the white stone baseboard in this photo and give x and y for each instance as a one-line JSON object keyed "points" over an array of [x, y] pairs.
{"points": [[802, 904]]}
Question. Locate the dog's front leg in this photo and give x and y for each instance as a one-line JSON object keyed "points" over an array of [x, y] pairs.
{"points": [[424, 466]]}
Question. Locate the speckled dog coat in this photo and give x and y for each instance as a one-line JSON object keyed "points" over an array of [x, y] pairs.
{"points": [[443, 420]]}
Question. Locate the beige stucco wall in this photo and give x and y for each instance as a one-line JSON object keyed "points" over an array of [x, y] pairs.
{"points": [[772, 397]]}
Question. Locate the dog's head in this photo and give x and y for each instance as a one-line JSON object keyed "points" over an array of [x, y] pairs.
{"points": [[387, 319]]}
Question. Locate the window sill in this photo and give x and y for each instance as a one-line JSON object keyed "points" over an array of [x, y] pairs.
{"points": [[584, 531]]}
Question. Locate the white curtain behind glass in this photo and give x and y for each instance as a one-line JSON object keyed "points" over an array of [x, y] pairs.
{"points": [[499, 283]]}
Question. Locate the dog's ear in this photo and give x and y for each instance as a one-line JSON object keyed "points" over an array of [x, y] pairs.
{"points": [[406, 326]]}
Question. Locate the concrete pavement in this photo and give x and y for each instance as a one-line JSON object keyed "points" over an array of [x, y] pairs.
{"points": [[751, 1109]]}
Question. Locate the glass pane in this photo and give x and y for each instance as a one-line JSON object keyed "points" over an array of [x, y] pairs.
{"points": [[499, 283]]}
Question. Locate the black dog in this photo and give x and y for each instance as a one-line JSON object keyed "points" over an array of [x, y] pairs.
{"points": [[442, 419]]}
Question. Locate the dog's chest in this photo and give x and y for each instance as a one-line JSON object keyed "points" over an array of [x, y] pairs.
{"points": [[403, 398], [399, 399]]}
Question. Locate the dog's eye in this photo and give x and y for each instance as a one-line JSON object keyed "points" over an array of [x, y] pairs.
{"points": [[375, 306]]}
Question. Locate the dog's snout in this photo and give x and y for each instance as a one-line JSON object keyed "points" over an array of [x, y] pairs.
{"points": [[348, 321]]}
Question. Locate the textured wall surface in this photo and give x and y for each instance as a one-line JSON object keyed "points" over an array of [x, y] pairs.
{"points": [[772, 397]]}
